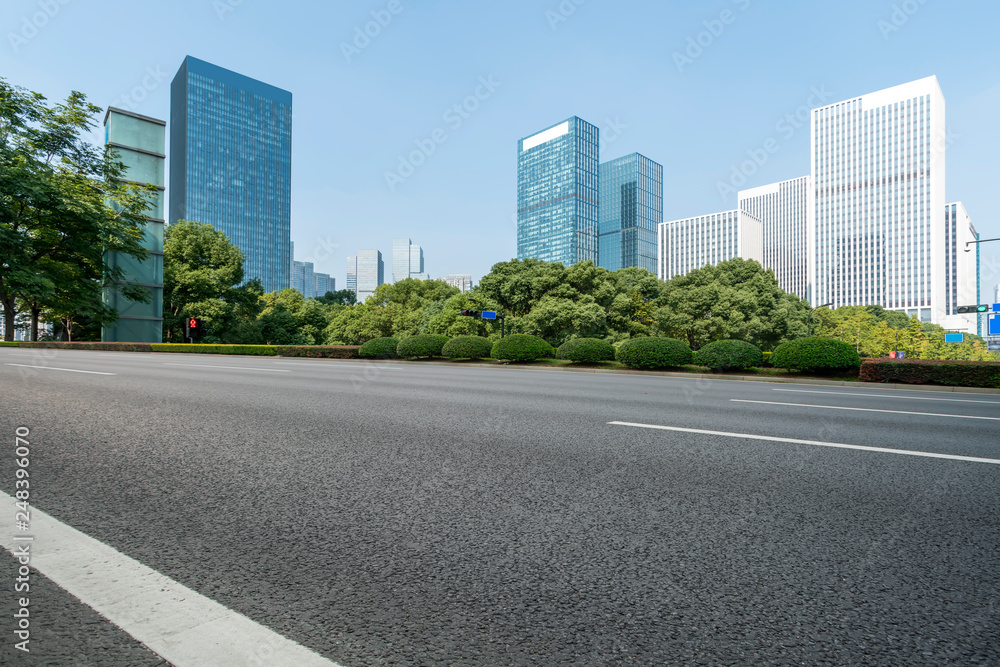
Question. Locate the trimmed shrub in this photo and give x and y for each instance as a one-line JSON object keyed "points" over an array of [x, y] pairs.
{"points": [[724, 355], [816, 355], [467, 347], [318, 351], [84, 345], [522, 347], [928, 371], [379, 348], [586, 350], [654, 352], [255, 350], [7, 343], [421, 345]]}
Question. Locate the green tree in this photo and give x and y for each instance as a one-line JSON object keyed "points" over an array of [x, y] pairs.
{"points": [[344, 297], [62, 207], [201, 271]]}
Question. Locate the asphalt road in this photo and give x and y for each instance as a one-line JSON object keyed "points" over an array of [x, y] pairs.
{"points": [[408, 514]]}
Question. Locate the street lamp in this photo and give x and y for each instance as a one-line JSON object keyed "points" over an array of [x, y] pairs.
{"points": [[968, 243], [809, 325]]}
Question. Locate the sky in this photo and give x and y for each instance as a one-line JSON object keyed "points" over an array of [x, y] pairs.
{"points": [[698, 86]]}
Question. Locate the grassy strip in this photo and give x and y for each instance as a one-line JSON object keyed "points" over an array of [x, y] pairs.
{"points": [[258, 350], [7, 343], [319, 351], [106, 347]]}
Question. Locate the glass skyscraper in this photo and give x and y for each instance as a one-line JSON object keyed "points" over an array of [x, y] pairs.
{"points": [[557, 193], [231, 163], [407, 261], [369, 273], [631, 208]]}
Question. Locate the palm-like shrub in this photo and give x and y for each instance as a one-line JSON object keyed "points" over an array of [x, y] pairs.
{"points": [[586, 350], [654, 352], [729, 355], [467, 347]]}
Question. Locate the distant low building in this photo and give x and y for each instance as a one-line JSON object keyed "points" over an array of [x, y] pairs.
{"points": [[463, 281]]}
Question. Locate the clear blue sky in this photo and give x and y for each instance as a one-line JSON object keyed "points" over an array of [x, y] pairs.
{"points": [[611, 63]]}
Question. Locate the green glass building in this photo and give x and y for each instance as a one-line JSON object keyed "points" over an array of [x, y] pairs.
{"points": [[140, 142], [631, 209]]}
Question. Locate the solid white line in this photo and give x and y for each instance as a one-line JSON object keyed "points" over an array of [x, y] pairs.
{"points": [[238, 368], [906, 398], [906, 452], [184, 627], [68, 370], [838, 407]]}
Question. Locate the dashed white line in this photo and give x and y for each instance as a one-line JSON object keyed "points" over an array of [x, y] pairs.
{"points": [[840, 407], [184, 627], [237, 368], [905, 398], [816, 443], [68, 370]]}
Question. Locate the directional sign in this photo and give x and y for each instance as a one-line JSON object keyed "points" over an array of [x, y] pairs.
{"points": [[954, 338], [489, 315], [995, 325]]}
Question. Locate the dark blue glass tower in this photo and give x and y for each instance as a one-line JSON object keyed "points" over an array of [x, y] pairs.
{"points": [[631, 208], [557, 190], [231, 163]]}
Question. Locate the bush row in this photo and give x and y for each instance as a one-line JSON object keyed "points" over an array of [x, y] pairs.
{"points": [[926, 371]]}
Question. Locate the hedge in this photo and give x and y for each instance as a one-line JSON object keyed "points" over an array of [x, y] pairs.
{"points": [[816, 355], [254, 350], [421, 345], [318, 351], [86, 345], [7, 343], [379, 348], [654, 352], [467, 347], [522, 347], [729, 355], [586, 350], [928, 371]]}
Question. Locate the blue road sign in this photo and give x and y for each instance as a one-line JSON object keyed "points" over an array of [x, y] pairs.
{"points": [[996, 307], [954, 338], [995, 325], [489, 315]]}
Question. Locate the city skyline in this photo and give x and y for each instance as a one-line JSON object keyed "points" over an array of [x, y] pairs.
{"points": [[660, 96]]}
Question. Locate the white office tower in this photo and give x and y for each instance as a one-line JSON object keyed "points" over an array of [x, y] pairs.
{"points": [[961, 269], [462, 281], [352, 274], [786, 211], [370, 273], [691, 243], [878, 168], [407, 261]]}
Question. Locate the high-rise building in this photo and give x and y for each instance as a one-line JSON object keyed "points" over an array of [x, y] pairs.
{"points": [[691, 243], [463, 281], [961, 269], [230, 163], [407, 261], [631, 208], [304, 279], [786, 213], [140, 143], [558, 194], [878, 165], [370, 273], [324, 283], [352, 274]]}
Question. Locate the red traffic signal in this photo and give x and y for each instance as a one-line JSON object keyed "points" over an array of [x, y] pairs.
{"points": [[471, 313], [192, 323]]}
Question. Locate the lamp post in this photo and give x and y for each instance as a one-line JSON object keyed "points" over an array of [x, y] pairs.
{"points": [[968, 243], [501, 316], [809, 325]]}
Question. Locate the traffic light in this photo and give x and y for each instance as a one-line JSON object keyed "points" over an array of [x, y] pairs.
{"points": [[471, 313], [192, 328], [981, 308]]}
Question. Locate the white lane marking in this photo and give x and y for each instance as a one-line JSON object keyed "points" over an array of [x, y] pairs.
{"points": [[748, 436], [184, 627], [839, 407], [68, 370], [907, 398], [238, 368]]}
